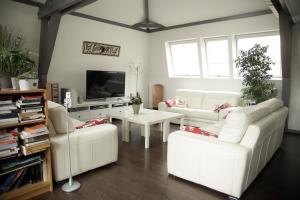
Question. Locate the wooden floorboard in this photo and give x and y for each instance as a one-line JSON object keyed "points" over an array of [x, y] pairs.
{"points": [[141, 174]]}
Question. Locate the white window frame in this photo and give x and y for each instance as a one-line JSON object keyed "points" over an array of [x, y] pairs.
{"points": [[204, 56], [168, 45], [250, 35]]}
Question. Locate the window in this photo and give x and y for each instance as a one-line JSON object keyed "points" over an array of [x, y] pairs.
{"points": [[183, 58], [245, 42], [216, 62]]}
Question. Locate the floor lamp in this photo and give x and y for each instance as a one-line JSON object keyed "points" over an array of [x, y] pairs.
{"points": [[71, 185]]}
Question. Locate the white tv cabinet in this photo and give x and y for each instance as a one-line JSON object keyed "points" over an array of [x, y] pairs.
{"points": [[88, 110]]}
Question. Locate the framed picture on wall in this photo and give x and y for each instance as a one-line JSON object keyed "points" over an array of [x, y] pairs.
{"points": [[95, 48]]}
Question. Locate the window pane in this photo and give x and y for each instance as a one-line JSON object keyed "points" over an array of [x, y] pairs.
{"points": [[217, 58], [273, 41], [185, 59]]}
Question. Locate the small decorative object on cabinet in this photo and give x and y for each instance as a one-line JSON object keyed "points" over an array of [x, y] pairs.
{"points": [[25, 160], [53, 92], [157, 95]]}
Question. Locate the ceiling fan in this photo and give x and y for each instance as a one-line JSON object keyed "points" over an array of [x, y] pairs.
{"points": [[147, 24]]}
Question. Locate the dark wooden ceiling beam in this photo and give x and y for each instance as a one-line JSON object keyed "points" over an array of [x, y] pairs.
{"points": [[221, 19], [50, 14], [62, 6]]}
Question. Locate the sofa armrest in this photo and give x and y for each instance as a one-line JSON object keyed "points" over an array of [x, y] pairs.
{"points": [[208, 161], [162, 106]]}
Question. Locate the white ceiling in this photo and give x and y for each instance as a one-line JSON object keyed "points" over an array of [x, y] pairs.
{"points": [[169, 12]]}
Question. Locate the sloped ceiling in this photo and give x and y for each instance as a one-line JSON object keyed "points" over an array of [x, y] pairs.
{"points": [[294, 8], [169, 12]]}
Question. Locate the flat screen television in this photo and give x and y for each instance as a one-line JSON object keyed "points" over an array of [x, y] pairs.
{"points": [[104, 84]]}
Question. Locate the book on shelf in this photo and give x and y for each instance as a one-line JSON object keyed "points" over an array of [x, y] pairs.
{"points": [[36, 128], [8, 144], [34, 149], [29, 106], [6, 100], [31, 116], [8, 115], [30, 110], [8, 107], [30, 144], [35, 139], [9, 121], [17, 172], [30, 101], [9, 152], [8, 111], [25, 135]]}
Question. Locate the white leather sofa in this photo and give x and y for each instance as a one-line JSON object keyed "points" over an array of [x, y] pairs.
{"points": [[247, 140], [201, 105], [91, 147]]}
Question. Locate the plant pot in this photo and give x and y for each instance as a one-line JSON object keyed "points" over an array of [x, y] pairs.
{"points": [[5, 82], [28, 84], [15, 83], [136, 108]]}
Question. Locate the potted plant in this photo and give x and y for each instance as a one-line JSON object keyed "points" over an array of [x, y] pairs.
{"points": [[28, 80], [19, 63], [254, 66], [13, 60], [136, 102]]}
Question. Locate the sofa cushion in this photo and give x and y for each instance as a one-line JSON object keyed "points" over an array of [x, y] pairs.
{"points": [[197, 130], [237, 122], [184, 111], [203, 114], [194, 97], [58, 117], [211, 99], [214, 128]]}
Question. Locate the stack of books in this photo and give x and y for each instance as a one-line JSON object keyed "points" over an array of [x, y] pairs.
{"points": [[8, 144], [8, 111], [34, 139], [31, 108], [17, 172]]}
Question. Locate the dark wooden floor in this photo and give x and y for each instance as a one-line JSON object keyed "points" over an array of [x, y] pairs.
{"points": [[142, 174]]}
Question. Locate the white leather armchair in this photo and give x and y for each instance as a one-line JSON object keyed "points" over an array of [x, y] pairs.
{"points": [[91, 147]]}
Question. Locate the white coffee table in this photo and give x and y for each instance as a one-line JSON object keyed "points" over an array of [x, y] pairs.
{"points": [[146, 118]]}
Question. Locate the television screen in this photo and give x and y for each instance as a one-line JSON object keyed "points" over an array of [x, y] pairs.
{"points": [[104, 84]]}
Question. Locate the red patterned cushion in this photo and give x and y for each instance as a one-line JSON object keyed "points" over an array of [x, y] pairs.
{"points": [[221, 107], [170, 103], [93, 122], [198, 131]]}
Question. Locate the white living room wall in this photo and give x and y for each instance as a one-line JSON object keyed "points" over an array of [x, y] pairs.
{"points": [[294, 111], [158, 71], [68, 65]]}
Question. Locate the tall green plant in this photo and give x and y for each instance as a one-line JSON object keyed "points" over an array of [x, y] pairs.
{"points": [[13, 59], [8, 39], [254, 66]]}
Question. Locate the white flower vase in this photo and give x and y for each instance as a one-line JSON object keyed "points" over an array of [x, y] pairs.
{"points": [[28, 84], [15, 83], [136, 108]]}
